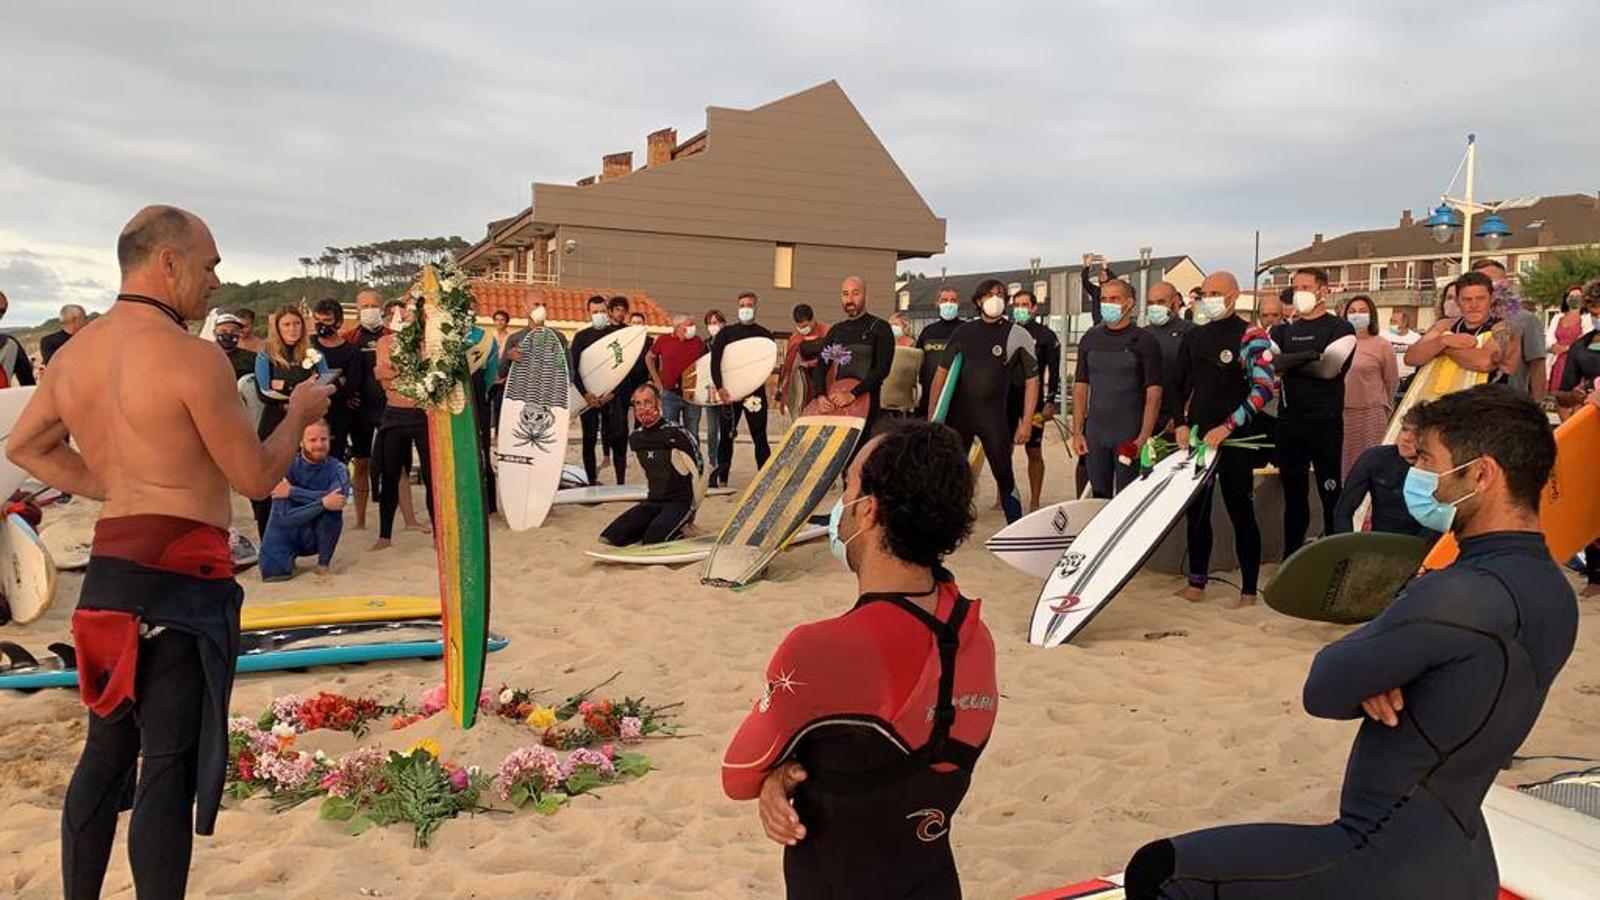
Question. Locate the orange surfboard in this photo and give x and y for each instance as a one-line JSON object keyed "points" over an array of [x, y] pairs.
{"points": [[1569, 511]]}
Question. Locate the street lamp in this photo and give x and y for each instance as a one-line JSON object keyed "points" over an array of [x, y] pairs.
{"points": [[1453, 213]]}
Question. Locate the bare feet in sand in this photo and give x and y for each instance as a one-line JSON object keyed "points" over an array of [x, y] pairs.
{"points": [[1246, 600], [381, 544], [420, 528], [1192, 594]]}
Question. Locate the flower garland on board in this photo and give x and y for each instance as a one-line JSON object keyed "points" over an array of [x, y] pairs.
{"points": [[430, 352]]}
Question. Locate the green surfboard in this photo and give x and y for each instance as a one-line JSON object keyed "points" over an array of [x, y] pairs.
{"points": [[1345, 578], [948, 392]]}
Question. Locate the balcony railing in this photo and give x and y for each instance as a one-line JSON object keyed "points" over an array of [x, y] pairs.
{"points": [[543, 278], [1369, 286]]}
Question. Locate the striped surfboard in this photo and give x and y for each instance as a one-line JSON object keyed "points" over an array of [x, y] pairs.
{"points": [[803, 468], [460, 527]]}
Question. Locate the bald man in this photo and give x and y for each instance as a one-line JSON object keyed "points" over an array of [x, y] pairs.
{"points": [[1224, 380], [72, 318], [163, 446], [1163, 314], [865, 343]]}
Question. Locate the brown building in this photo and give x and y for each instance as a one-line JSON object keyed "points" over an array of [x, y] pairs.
{"points": [[1403, 266], [785, 199]]}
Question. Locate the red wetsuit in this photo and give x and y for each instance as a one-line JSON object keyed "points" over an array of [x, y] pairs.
{"points": [[887, 708]]}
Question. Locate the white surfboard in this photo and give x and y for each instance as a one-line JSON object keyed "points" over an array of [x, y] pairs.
{"points": [[1035, 542], [12, 401], [1542, 850], [573, 476], [532, 437], [69, 542], [607, 361], [27, 576], [1115, 544], [250, 398], [617, 493], [685, 550], [208, 328], [1333, 357], [746, 365]]}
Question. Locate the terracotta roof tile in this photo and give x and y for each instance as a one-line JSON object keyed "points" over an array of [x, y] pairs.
{"points": [[562, 303]]}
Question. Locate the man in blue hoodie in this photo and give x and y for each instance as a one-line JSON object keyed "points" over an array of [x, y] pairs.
{"points": [[307, 508]]}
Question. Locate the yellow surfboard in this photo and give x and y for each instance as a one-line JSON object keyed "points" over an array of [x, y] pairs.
{"points": [[337, 611], [1439, 376]]}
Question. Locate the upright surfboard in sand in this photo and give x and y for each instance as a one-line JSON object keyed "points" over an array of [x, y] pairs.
{"points": [[1115, 543], [1569, 505], [27, 575], [604, 363], [460, 523], [746, 366], [803, 468], [532, 439], [12, 402], [899, 391]]}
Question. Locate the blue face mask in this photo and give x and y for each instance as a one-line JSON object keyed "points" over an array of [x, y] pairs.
{"points": [[1020, 315], [599, 319], [1359, 321], [747, 314], [947, 311], [1429, 511], [836, 546], [1158, 315], [1110, 313]]}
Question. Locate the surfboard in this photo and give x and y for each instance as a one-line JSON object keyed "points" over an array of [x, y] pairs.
{"points": [[1542, 850], [12, 402], [1333, 357], [27, 575], [573, 476], [460, 523], [941, 408], [1035, 542], [684, 550], [250, 398], [1108, 888], [532, 437], [617, 493], [746, 366], [208, 328], [899, 391], [69, 542], [1116, 543], [607, 361], [1345, 578], [803, 468], [270, 651], [856, 409], [337, 611]]}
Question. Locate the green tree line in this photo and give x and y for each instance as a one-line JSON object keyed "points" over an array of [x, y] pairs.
{"points": [[391, 262]]}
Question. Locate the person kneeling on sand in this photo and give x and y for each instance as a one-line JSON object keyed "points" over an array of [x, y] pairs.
{"points": [[307, 508], [1450, 679], [864, 740], [671, 462]]}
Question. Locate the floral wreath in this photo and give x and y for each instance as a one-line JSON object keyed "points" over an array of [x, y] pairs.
{"points": [[431, 367]]}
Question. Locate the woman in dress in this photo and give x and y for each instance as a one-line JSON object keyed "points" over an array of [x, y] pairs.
{"points": [[1565, 330], [1369, 384]]}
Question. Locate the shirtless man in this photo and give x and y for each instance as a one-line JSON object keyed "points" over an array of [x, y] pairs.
{"points": [[163, 441]]}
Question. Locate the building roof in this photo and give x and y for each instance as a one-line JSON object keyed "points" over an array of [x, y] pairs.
{"points": [[1561, 220], [925, 291], [562, 304]]}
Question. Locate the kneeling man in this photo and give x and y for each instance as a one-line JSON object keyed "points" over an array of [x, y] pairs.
{"points": [[307, 508], [672, 465]]}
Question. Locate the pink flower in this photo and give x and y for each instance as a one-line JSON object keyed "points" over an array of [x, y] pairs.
{"points": [[432, 700], [585, 706], [533, 765], [583, 756], [285, 772], [354, 772], [631, 729], [609, 751], [458, 779], [487, 699]]}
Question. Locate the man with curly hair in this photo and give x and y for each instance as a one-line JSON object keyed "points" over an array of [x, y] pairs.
{"points": [[864, 741]]}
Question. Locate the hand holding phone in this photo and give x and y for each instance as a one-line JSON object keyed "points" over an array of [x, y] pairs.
{"points": [[330, 377]]}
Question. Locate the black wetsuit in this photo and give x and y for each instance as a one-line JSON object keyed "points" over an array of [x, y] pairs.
{"points": [[888, 709], [243, 362], [991, 353], [670, 502], [50, 343], [1474, 649], [1224, 377], [1380, 471], [367, 393], [590, 419], [932, 340], [1047, 354], [755, 418], [870, 344], [1310, 423], [1170, 337], [347, 358], [1119, 366]]}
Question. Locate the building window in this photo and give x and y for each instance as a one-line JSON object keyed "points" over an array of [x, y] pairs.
{"points": [[1041, 291], [905, 300], [1411, 274], [1526, 264], [783, 266], [1012, 288]]}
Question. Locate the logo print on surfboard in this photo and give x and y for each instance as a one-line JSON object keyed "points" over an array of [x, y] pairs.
{"points": [[534, 427], [616, 352], [1066, 604], [1070, 562], [1059, 521]]}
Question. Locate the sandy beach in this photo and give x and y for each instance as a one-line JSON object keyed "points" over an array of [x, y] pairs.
{"points": [[1164, 716]]}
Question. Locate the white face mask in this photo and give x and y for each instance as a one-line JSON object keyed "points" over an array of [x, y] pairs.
{"points": [[898, 331], [803, 329], [713, 328], [371, 318], [1304, 302], [688, 333], [994, 306], [599, 319], [1213, 308], [747, 314], [537, 316], [1359, 321]]}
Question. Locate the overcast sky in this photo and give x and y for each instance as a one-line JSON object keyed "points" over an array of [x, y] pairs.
{"points": [[1037, 129]]}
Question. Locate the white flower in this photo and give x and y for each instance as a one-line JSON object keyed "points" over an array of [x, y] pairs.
{"points": [[446, 285], [320, 757], [506, 696], [282, 730], [313, 356]]}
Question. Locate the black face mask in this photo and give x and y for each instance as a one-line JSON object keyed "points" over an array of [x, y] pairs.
{"points": [[228, 341], [326, 331]]}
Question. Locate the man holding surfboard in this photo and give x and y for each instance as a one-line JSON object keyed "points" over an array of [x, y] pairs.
{"points": [[1448, 682], [157, 624], [752, 409], [1116, 391], [932, 340], [1458, 338], [591, 419]]}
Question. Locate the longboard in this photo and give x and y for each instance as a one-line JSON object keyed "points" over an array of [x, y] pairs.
{"points": [[27, 576], [461, 523], [1035, 542], [803, 468], [1569, 505], [1116, 543], [617, 493], [532, 436], [336, 611], [684, 550], [1345, 578], [268, 651], [604, 363], [746, 366]]}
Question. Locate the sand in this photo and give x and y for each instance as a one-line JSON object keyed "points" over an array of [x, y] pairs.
{"points": [[1164, 716]]}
